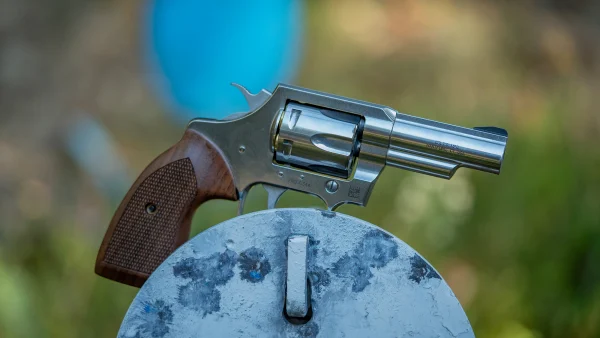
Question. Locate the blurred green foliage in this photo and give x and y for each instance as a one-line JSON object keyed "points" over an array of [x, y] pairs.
{"points": [[521, 250]]}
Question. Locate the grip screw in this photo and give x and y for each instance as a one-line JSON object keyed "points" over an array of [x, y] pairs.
{"points": [[151, 208]]}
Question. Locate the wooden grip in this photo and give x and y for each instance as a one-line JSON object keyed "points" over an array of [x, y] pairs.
{"points": [[155, 216]]}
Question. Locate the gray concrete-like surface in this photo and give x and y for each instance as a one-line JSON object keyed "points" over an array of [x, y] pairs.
{"points": [[229, 281]]}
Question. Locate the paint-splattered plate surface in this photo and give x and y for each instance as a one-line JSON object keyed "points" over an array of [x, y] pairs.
{"points": [[229, 281]]}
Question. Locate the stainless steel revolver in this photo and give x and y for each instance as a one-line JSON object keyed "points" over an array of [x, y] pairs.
{"points": [[294, 138]]}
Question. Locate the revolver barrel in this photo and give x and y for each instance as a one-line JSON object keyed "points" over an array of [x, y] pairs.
{"points": [[439, 149]]}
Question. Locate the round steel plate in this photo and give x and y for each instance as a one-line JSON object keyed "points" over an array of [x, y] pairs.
{"points": [[229, 281]]}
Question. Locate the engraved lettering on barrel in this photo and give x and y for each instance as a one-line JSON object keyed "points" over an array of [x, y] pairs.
{"points": [[446, 147]]}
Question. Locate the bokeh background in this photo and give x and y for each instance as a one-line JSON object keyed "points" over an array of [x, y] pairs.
{"points": [[92, 91]]}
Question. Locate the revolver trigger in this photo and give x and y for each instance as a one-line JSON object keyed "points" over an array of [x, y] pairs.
{"points": [[273, 194], [254, 101]]}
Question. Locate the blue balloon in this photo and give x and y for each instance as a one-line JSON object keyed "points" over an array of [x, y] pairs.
{"points": [[197, 48]]}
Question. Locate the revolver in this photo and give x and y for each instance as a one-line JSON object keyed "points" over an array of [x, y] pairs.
{"points": [[293, 138]]}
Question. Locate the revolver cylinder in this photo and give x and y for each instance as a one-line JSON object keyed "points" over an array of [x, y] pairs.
{"points": [[318, 139]]}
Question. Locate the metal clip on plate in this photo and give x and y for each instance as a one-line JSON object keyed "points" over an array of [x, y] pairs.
{"points": [[296, 292]]}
